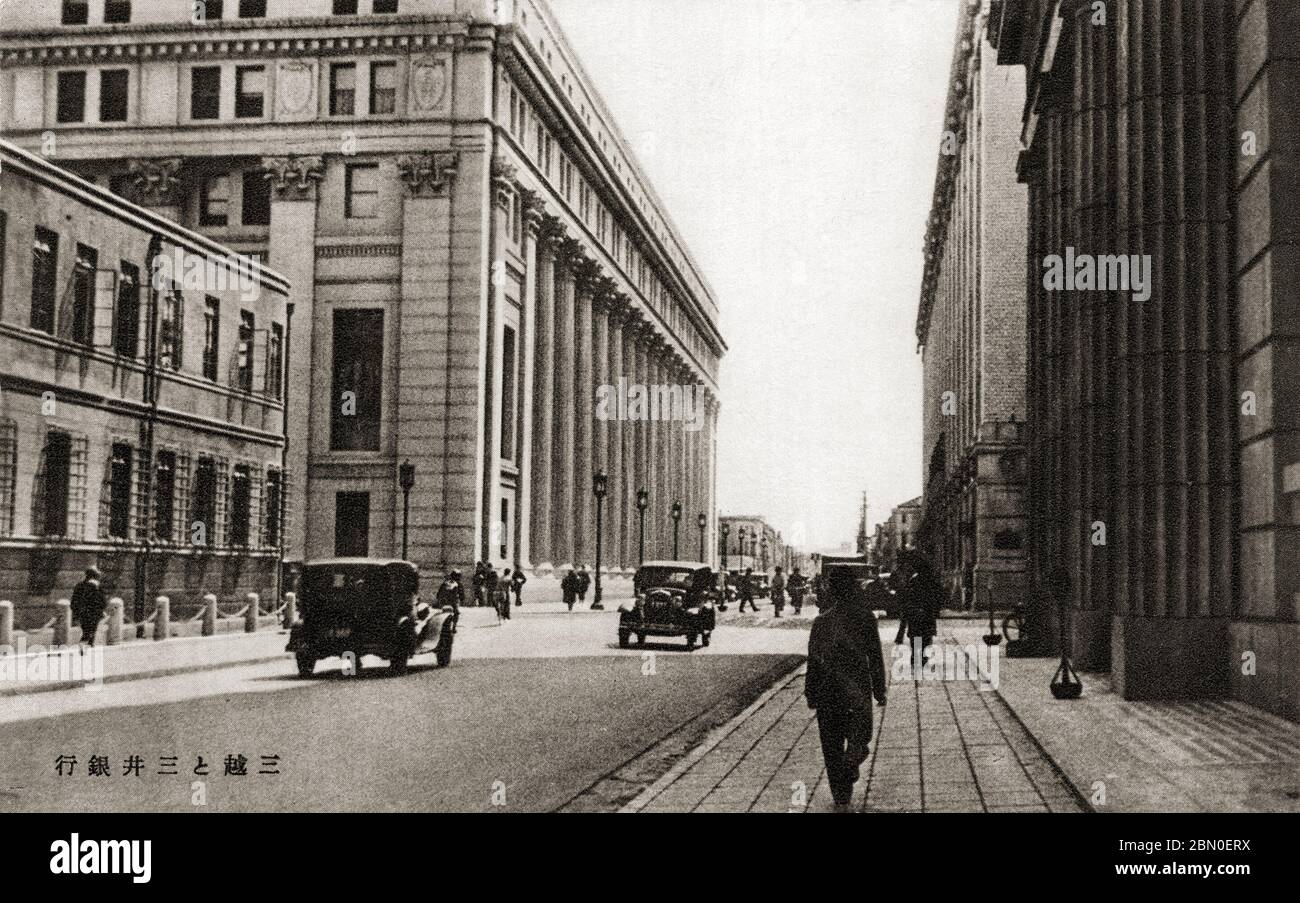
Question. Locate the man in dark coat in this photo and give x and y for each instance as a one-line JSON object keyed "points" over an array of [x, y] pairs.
{"points": [[517, 584], [88, 605], [569, 586], [584, 581], [476, 582], [452, 594], [846, 669], [921, 600], [797, 585], [745, 589]]}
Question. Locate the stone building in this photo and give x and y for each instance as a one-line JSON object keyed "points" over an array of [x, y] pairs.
{"points": [[971, 330], [897, 533], [1160, 145], [474, 252], [141, 419], [761, 546]]}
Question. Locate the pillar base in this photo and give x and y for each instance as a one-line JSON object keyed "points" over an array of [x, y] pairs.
{"points": [[1274, 649], [1170, 658]]}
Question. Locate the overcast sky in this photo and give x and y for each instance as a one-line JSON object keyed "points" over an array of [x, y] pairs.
{"points": [[794, 143]]}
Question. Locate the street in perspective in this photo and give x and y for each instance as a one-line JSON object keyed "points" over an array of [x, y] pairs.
{"points": [[655, 407]]}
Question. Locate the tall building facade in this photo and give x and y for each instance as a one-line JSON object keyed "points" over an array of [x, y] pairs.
{"points": [[141, 402], [1163, 452], [971, 330], [474, 252]]}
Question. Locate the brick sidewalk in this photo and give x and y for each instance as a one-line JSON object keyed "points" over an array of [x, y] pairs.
{"points": [[944, 746]]}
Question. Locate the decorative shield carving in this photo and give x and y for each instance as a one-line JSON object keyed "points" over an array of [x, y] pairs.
{"points": [[295, 87], [428, 83]]}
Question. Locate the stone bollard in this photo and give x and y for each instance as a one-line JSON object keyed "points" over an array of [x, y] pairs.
{"points": [[116, 608], [162, 620], [290, 609], [250, 615], [209, 614], [6, 624], [62, 622]]}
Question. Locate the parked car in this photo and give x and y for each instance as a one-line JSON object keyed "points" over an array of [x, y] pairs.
{"points": [[366, 606], [673, 598]]}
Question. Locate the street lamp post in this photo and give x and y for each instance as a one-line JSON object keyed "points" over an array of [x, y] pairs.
{"points": [[725, 529], [642, 502], [677, 519], [702, 522], [406, 479], [744, 549], [599, 485]]}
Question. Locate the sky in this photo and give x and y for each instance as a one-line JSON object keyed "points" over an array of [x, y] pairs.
{"points": [[794, 144]]}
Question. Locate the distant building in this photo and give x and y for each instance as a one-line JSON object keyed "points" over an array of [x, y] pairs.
{"points": [[760, 546], [896, 534], [971, 329], [136, 413]]}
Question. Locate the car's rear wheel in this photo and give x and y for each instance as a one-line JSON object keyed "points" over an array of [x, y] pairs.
{"points": [[624, 638], [306, 663], [704, 638], [398, 664], [443, 652]]}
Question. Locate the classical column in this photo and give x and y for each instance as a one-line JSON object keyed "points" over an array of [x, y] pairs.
{"points": [[291, 250], [601, 426], [641, 440], [494, 536], [424, 337], [631, 435], [584, 506], [614, 515], [562, 523], [533, 216], [544, 403]]}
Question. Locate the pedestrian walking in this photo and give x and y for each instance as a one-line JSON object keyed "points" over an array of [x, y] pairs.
{"points": [[798, 586], [451, 594], [745, 589], [517, 584], [846, 670], [569, 586], [477, 581], [584, 582], [88, 605], [778, 591], [921, 601]]}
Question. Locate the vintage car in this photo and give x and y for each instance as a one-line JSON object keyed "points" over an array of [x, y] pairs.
{"points": [[673, 598], [366, 606]]}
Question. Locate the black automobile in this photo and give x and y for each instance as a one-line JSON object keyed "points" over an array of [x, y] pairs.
{"points": [[366, 606], [673, 598]]}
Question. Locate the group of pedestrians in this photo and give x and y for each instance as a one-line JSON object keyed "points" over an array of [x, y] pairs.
{"points": [[574, 586], [497, 590], [796, 585]]}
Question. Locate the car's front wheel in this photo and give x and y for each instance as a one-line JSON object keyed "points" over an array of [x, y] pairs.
{"points": [[704, 638], [398, 664], [690, 641], [306, 663]]}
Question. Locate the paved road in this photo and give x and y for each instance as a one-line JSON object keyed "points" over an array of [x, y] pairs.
{"points": [[528, 716]]}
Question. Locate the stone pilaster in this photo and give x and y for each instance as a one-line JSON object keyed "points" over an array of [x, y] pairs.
{"points": [[615, 515], [565, 407], [494, 536], [544, 403], [584, 503], [533, 218]]}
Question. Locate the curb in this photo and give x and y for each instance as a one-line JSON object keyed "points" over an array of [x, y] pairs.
{"points": [[716, 736], [20, 688]]}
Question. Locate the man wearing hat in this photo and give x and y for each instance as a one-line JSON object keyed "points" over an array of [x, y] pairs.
{"points": [[88, 605]]}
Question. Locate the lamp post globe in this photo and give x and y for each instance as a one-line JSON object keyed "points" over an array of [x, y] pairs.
{"points": [[701, 521], [642, 503], [677, 519]]}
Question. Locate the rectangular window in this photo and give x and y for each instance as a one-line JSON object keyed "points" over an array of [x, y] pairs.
{"points": [[209, 11], [204, 506], [117, 12], [383, 88], [164, 496], [355, 402], [505, 533], [244, 353], [83, 295], [205, 92], [4, 229], [241, 504], [343, 89], [113, 85], [171, 331], [71, 97], [45, 265], [508, 395], [119, 492], [8, 474], [250, 92], [385, 6], [272, 500], [257, 199], [211, 336], [361, 191], [55, 483], [352, 524], [345, 7], [214, 201], [76, 12], [252, 9], [275, 361]]}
